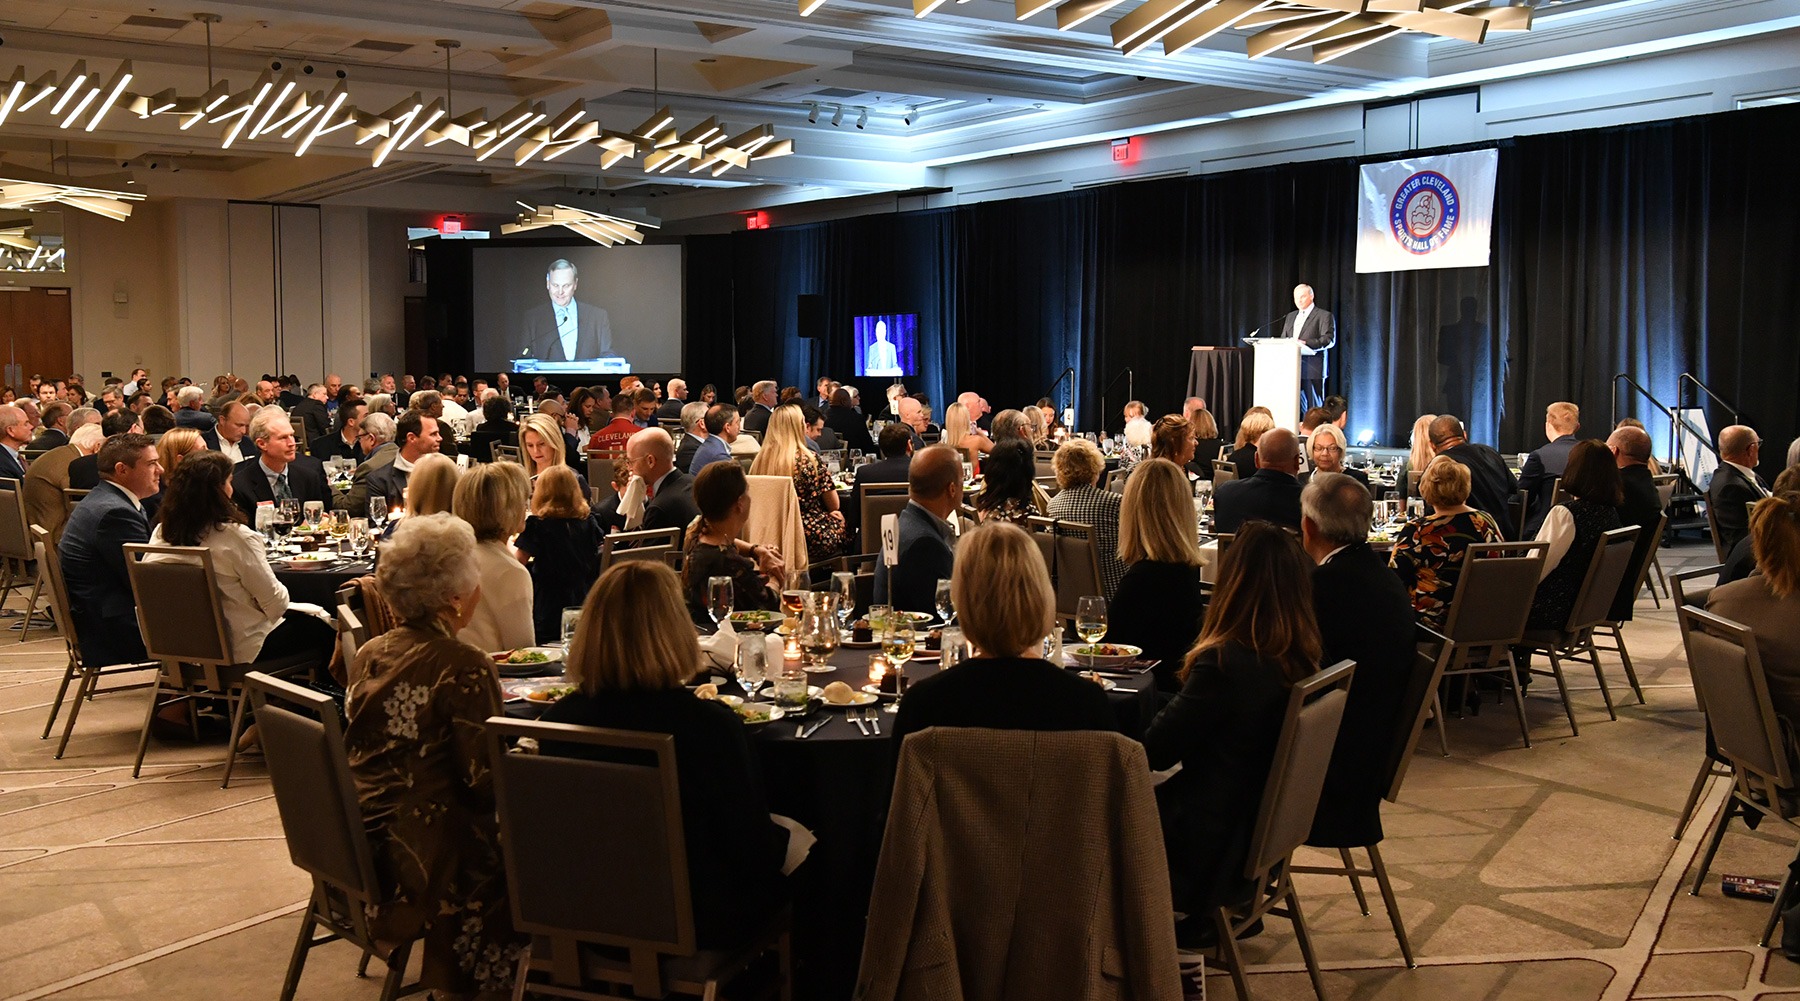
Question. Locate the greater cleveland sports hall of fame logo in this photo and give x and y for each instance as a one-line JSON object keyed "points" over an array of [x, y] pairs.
{"points": [[1424, 212]]}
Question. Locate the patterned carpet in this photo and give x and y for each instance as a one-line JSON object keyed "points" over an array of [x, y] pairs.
{"points": [[1546, 872]]}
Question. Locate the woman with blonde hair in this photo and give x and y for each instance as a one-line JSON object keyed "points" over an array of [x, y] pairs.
{"points": [[491, 497], [561, 539], [961, 434], [541, 445], [632, 679], [1257, 420], [1006, 607], [1159, 602], [784, 453], [1428, 554], [431, 487], [1037, 428], [1419, 458], [1258, 638], [1206, 442]]}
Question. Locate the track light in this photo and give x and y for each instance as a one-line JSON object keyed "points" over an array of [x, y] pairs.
{"points": [[812, 112], [862, 120], [838, 118]]}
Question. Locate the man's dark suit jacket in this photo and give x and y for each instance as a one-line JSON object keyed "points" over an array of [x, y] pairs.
{"points": [[1319, 333], [84, 472], [201, 421], [851, 427], [1491, 484], [670, 409], [306, 478], [332, 447], [593, 333], [925, 558], [487, 435], [1364, 615], [673, 506], [758, 418], [10, 469], [1642, 507], [314, 416], [1727, 496], [356, 499], [1270, 495], [388, 482], [47, 439], [93, 565], [1538, 477], [881, 471]]}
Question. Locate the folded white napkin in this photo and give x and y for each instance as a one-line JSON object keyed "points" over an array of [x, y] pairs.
{"points": [[631, 503], [719, 649]]}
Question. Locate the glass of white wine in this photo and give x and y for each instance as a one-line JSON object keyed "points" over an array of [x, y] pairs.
{"points": [[1090, 622], [720, 594], [897, 643]]}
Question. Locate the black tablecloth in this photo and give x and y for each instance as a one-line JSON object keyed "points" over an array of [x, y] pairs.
{"points": [[1221, 377], [321, 586]]}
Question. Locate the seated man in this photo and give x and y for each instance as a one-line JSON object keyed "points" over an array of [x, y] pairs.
{"points": [[15, 433], [1543, 467], [378, 430], [717, 430], [693, 426], [1735, 484], [190, 412], [668, 491], [49, 476], [496, 428], [1491, 484], [894, 466], [1271, 494], [417, 436], [280, 471], [93, 557], [614, 436], [925, 549]]}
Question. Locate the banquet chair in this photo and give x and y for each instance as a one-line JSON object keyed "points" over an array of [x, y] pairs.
{"points": [[16, 555], [50, 563], [315, 795], [1612, 628], [1072, 553], [71, 497], [862, 566], [1115, 480], [31, 455], [624, 917], [190, 639], [1488, 614], [1047, 484], [1574, 639], [1665, 492], [1714, 764], [1223, 472], [600, 465], [1720, 549], [879, 499], [1728, 675], [1412, 482], [1044, 464], [675, 560], [1433, 652], [1290, 798], [643, 544], [504, 453]]}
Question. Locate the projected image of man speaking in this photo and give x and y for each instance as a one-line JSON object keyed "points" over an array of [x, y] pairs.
{"points": [[565, 329]]}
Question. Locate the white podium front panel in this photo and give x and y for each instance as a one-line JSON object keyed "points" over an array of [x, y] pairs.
{"points": [[1275, 380]]}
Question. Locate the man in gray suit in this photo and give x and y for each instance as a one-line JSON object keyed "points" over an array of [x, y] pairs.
{"points": [[564, 329]]}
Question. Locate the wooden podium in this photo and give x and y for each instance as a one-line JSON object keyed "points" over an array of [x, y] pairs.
{"points": [[1275, 378]]}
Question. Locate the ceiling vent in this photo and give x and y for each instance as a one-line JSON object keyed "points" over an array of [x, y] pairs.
{"points": [[376, 45], [146, 21]]}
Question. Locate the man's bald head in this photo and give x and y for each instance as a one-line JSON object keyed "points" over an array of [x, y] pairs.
{"points": [[1630, 446], [912, 412], [652, 441], [1738, 444], [934, 479], [1278, 449], [1445, 432]]}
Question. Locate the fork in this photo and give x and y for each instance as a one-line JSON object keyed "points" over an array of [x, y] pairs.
{"points": [[874, 718], [855, 717]]}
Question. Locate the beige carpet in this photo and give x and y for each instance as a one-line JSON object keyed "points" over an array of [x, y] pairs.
{"points": [[1523, 874]]}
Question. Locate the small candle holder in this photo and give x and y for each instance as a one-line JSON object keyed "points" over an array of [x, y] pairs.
{"points": [[791, 649]]}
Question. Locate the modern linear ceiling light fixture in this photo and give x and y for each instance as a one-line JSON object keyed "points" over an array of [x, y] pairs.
{"points": [[18, 193], [1330, 28], [277, 107], [606, 230]]}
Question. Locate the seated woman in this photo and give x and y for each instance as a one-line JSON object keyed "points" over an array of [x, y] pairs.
{"points": [[1053, 425], [171, 448], [1206, 443], [1327, 448], [431, 487], [418, 697], [491, 497], [1573, 529], [197, 510], [1428, 554], [562, 539], [1079, 498], [1159, 605], [848, 423], [784, 453], [632, 679], [1037, 429], [542, 445], [1008, 484], [1258, 639], [1001, 588], [714, 549], [961, 434], [1257, 420], [1420, 455], [1769, 602]]}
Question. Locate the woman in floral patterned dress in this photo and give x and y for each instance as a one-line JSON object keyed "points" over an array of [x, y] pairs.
{"points": [[1428, 555], [418, 697], [784, 453]]}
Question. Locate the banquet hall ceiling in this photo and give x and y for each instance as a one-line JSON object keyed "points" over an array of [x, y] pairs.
{"points": [[967, 83]]}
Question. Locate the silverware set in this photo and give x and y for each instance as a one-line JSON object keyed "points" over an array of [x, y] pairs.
{"points": [[866, 720]]}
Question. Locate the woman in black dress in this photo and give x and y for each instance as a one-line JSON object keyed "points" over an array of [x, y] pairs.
{"points": [[1007, 481], [849, 425], [1159, 603], [1573, 529], [562, 540], [722, 493]]}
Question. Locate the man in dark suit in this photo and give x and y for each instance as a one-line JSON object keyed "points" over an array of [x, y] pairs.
{"points": [[378, 430], [190, 412], [1272, 494], [1542, 468], [312, 415], [1366, 616], [279, 472], [1492, 486], [1641, 506], [15, 433], [1735, 484], [894, 466], [678, 398], [54, 429], [290, 395], [763, 396], [668, 492], [418, 435], [924, 550], [496, 428], [93, 560], [346, 441], [564, 329], [1314, 328]]}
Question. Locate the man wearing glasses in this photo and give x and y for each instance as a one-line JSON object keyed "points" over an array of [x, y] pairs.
{"points": [[1736, 484]]}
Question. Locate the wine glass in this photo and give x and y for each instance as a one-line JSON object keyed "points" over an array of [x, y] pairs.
{"points": [[265, 523], [946, 608], [752, 669], [378, 513], [843, 584], [286, 513], [337, 524], [314, 514], [359, 535], [792, 603], [720, 592], [897, 643], [1090, 622]]}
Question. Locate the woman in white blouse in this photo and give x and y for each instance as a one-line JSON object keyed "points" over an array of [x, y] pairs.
{"points": [[197, 510], [491, 497]]}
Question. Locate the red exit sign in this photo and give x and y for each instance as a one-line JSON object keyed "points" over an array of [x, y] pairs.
{"points": [[1125, 150]]}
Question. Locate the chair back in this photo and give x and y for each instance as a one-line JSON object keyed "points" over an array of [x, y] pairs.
{"points": [[631, 890], [71, 497], [600, 465], [15, 534], [31, 455], [1045, 465], [1639, 571], [879, 499], [1115, 480], [1720, 549], [51, 560], [676, 560], [1412, 481], [775, 521], [1692, 597], [1665, 487], [352, 631], [644, 544], [178, 604], [1728, 677], [1494, 593], [506, 453], [1297, 774], [1606, 572], [1072, 552], [1432, 655], [1047, 484], [1223, 472], [315, 794]]}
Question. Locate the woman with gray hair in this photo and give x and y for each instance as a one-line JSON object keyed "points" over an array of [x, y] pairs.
{"points": [[417, 699]]}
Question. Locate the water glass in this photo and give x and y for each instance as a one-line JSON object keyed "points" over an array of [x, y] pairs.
{"points": [[720, 593], [790, 690], [359, 535], [843, 584], [946, 606], [819, 630], [378, 512], [571, 623], [265, 522], [752, 663], [955, 648]]}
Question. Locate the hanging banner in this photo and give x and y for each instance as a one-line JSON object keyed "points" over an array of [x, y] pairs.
{"points": [[1429, 212]]}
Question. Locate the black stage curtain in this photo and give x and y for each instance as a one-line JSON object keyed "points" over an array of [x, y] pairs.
{"points": [[1651, 249]]}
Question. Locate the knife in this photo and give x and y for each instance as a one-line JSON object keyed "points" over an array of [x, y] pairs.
{"points": [[808, 730]]}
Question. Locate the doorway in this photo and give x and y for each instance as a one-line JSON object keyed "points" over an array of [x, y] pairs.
{"points": [[36, 335]]}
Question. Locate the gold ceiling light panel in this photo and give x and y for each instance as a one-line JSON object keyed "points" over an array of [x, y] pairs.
{"points": [[18, 193], [606, 230], [1330, 28]]}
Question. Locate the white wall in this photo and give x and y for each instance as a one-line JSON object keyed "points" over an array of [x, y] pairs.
{"points": [[388, 287]]}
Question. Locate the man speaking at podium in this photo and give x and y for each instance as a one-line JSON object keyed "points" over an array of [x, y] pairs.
{"points": [[564, 329], [1314, 328]]}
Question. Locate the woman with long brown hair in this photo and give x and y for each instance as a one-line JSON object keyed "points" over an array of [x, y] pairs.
{"points": [[1258, 638]]}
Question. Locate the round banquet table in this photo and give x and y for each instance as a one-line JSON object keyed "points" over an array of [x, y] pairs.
{"points": [[320, 586], [837, 783]]}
